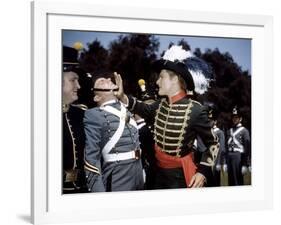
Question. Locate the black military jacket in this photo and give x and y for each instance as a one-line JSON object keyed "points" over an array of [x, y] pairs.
{"points": [[177, 125], [73, 149]]}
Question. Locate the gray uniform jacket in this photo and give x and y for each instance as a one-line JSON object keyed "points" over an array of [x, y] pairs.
{"points": [[103, 175], [239, 141]]}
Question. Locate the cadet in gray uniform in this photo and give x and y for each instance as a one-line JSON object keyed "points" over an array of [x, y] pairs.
{"points": [[213, 116], [238, 143], [112, 153]]}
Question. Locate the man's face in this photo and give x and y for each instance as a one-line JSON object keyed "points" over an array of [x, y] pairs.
{"points": [[70, 87], [236, 120], [103, 96], [105, 83], [164, 82]]}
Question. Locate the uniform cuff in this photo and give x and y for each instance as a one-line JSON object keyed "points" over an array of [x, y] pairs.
{"points": [[205, 170]]}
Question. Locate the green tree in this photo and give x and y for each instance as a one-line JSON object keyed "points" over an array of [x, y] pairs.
{"points": [[133, 55], [95, 58], [231, 86]]}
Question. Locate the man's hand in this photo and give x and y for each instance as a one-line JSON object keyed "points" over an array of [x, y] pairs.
{"points": [[224, 168], [197, 180], [244, 170], [120, 93]]}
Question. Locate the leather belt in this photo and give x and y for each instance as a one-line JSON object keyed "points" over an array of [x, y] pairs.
{"points": [[113, 157], [236, 150]]}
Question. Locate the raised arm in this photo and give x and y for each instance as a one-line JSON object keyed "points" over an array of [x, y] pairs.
{"points": [[120, 93], [146, 111]]}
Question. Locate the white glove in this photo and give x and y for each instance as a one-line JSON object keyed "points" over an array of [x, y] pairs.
{"points": [[244, 170], [250, 169], [218, 167], [224, 168]]}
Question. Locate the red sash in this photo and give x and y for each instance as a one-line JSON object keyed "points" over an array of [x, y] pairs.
{"points": [[168, 162]]}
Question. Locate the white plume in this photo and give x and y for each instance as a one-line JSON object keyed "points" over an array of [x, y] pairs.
{"points": [[176, 52], [201, 83]]}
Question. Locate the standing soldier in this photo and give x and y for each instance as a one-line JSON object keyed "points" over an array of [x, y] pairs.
{"points": [[73, 128], [146, 137], [239, 149], [220, 163]]}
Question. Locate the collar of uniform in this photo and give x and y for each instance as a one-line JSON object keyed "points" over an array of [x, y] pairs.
{"points": [[140, 120], [65, 108], [109, 102], [238, 125], [177, 97]]}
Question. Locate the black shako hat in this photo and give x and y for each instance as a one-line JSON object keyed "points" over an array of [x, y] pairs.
{"points": [[236, 112], [179, 68], [212, 110], [70, 60]]}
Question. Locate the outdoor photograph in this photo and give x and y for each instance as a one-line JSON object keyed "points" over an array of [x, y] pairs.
{"points": [[149, 111]]}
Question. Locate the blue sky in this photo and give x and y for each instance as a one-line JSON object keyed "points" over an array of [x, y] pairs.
{"points": [[240, 49]]}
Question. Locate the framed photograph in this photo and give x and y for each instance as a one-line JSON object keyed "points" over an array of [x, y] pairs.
{"points": [[54, 23]]}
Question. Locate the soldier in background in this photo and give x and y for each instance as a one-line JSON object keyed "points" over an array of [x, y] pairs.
{"points": [[146, 137], [73, 128], [238, 150], [220, 164], [198, 145]]}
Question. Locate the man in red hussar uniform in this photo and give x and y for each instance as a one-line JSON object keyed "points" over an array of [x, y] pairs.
{"points": [[178, 120]]}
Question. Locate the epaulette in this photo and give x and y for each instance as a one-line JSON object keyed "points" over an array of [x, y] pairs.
{"points": [[80, 106], [193, 101]]}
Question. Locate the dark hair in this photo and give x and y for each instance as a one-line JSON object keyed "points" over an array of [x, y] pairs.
{"points": [[102, 74]]}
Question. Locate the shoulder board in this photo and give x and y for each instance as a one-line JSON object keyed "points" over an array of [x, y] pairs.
{"points": [[80, 106], [193, 101]]}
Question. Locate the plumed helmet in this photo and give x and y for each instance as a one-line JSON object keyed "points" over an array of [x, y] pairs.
{"points": [[201, 73], [195, 72]]}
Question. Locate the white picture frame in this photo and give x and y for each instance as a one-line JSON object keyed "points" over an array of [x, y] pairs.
{"points": [[48, 205]]}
